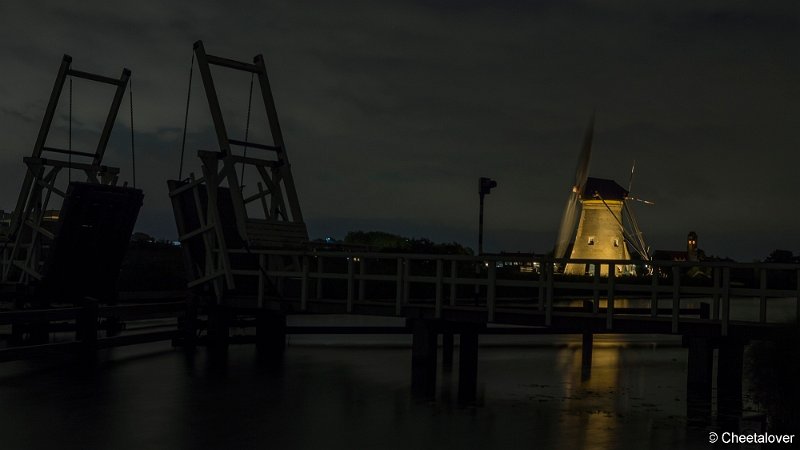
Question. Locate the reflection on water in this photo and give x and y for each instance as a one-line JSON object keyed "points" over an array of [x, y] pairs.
{"points": [[779, 309], [355, 397]]}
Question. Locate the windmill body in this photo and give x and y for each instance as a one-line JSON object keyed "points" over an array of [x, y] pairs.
{"points": [[600, 232]]}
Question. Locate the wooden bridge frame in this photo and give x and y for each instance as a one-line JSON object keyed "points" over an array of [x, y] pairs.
{"points": [[22, 260], [282, 226]]}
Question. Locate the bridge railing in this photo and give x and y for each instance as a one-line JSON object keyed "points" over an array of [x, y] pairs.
{"points": [[493, 283]]}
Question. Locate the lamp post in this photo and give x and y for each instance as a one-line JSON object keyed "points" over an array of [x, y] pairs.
{"points": [[485, 186]]}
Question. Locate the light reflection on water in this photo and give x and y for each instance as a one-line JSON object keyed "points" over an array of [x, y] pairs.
{"points": [[355, 397], [779, 309]]}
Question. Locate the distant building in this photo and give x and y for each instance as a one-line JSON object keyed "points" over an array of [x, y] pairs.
{"points": [[692, 253], [518, 261]]}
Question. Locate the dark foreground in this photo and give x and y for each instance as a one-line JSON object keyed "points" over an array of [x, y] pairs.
{"points": [[352, 396]]}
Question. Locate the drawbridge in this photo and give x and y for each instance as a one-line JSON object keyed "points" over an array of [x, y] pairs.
{"points": [[68, 232], [229, 231]]}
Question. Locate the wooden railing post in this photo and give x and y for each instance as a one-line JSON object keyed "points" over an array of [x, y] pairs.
{"points": [[261, 280], [548, 313], [726, 299], [304, 284], [612, 276], [453, 285], [676, 297], [320, 269], [399, 287], [439, 288], [543, 281], [715, 297], [350, 283], [762, 287], [797, 303], [362, 283], [596, 289], [491, 289], [654, 292]]}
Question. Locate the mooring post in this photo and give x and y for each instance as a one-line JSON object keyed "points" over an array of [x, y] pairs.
{"points": [[424, 347], [699, 379], [218, 329], [190, 322], [468, 365], [270, 335], [588, 342], [86, 327], [586, 355], [730, 362]]}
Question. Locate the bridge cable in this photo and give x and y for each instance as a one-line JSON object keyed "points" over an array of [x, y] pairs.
{"points": [[186, 118], [625, 233], [69, 139], [133, 147]]}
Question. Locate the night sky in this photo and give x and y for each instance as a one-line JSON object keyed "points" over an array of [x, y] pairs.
{"points": [[392, 110]]}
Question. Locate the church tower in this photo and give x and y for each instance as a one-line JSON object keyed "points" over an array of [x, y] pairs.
{"points": [[691, 247]]}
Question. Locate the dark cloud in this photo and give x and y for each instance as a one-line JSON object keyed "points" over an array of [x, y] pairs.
{"points": [[392, 110]]}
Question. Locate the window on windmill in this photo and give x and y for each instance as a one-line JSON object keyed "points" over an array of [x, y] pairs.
{"points": [[616, 242], [591, 240]]}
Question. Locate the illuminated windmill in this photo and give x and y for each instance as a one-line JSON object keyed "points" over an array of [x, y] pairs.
{"points": [[604, 212]]}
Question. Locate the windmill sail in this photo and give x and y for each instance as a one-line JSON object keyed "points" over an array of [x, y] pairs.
{"points": [[570, 216]]}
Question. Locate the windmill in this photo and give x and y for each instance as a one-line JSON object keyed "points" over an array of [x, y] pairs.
{"points": [[604, 212]]}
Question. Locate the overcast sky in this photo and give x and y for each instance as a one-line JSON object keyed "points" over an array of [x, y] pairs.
{"points": [[392, 110]]}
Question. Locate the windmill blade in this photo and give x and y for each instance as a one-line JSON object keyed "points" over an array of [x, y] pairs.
{"points": [[630, 181], [646, 202], [567, 226], [570, 216], [582, 170]]}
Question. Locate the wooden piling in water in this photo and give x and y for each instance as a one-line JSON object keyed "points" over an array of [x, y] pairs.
{"points": [[86, 328], [730, 363], [587, 343], [447, 350], [270, 335], [468, 365], [218, 330], [424, 346], [699, 379]]}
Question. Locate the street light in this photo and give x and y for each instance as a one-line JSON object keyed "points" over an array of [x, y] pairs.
{"points": [[485, 186]]}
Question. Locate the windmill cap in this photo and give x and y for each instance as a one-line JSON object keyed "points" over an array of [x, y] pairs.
{"points": [[606, 189]]}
